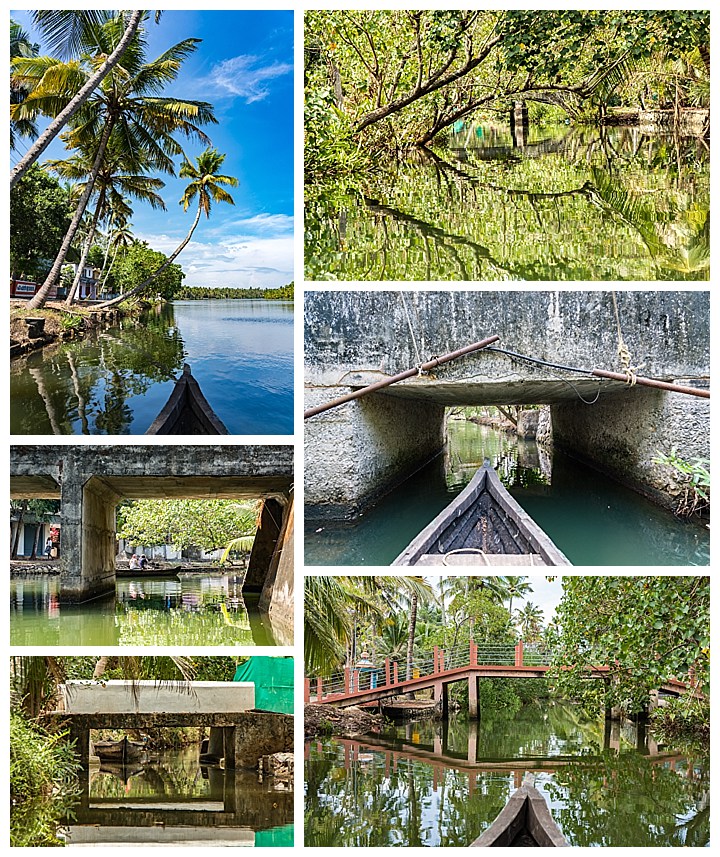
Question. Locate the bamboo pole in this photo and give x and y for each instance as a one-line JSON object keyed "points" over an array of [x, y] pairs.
{"points": [[401, 376]]}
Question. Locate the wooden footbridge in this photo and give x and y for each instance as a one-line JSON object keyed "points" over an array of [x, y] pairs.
{"points": [[366, 683]]}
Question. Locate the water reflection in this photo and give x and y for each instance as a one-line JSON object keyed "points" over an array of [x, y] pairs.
{"points": [[592, 519], [570, 204], [175, 800], [442, 784], [204, 610], [115, 381]]}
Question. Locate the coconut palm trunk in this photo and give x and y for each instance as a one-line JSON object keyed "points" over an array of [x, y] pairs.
{"points": [[40, 298], [411, 633], [145, 283], [86, 249], [76, 103]]}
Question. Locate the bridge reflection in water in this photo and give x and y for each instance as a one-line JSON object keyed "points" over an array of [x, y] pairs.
{"points": [[442, 783], [175, 800]]}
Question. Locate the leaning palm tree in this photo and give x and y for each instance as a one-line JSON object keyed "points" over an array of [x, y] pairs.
{"points": [[206, 185], [125, 109], [121, 236], [21, 45], [112, 185], [64, 28]]}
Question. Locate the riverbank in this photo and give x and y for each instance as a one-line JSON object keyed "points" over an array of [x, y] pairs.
{"points": [[58, 324], [346, 722]]}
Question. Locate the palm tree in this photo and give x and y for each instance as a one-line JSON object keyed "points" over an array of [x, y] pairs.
{"points": [[206, 185], [121, 236], [64, 28], [517, 587], [530, 619], [112, 185], [125, 107], [20, 46]]}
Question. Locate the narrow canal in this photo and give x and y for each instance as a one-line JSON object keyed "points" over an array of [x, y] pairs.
{"points": [[592, 519], [200, 610], [432, 783], [563, 204], [116, 381], [169, 799]]}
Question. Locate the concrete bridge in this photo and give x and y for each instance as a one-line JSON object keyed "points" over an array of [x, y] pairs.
{"points": [[91, 480], [359, 451]]}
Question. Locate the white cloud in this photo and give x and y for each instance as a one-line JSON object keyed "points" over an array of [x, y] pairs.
{"points": [[239, 261], [245, 76]]}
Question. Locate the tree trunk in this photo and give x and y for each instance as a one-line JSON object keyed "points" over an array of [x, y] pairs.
{"points": [[77, 102], [41, 297], [138, 289], [38, 530], [70, 300]]}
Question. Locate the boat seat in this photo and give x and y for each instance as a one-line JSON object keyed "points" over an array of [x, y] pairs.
{"points": [[474, 559]]}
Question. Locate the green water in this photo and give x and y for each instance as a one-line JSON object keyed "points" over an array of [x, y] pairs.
{"points": [[168, 799], [592, 519], [435, 784], [144, 612], [116, 381], [572, 204]]}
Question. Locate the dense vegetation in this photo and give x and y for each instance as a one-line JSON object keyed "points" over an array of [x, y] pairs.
{"points": [[378, 81], [202, 293]]}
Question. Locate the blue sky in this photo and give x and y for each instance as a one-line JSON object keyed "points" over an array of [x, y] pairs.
{"points": [[244, 68]]}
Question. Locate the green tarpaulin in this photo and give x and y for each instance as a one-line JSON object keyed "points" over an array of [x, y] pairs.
{"points": [[273, 679]]}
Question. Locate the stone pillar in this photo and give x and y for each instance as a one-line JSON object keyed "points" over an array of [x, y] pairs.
{"points": [[263, 548], [622, 433], [87, 538], [519, 124], [441, 698], [359, 451], [260, 733], [277, 596], [230, 747]]}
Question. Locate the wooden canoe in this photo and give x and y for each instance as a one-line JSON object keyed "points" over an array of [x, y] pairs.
{"points": [[524, 821], [484, 525], [187, 411], [120, 751]]}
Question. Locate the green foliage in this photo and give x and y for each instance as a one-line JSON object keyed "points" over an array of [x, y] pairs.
{"points": [[683, 723], [647, 630], [693, 476], [39, 217], [71, 322], [215, 668], [206, 524], [39, 762], [204, 293], [137, 263], [330, 146]]}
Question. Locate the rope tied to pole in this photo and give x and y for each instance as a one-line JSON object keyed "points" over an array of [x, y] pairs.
{"points": [[623, 351], [419, 364]]}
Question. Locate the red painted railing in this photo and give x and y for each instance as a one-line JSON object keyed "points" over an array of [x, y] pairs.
{"points": [[363, 677]]}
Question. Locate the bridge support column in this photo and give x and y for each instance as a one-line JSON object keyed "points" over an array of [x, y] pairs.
{"points": [[473, 697], [259, 733], [277, 596], [356, 453], [622, 433], [440, 695], [87, 538]]}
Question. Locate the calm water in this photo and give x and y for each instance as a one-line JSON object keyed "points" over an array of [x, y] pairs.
{"points": [[172, 799], [443, 784], [592, 519], [200, 611], [116, 381], [572, 204]]}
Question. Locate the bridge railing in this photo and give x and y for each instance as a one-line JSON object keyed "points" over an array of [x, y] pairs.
{"points": [[367, 676]]}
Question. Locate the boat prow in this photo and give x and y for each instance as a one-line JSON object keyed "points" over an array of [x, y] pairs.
{"points": [[484, 525], [187, 411], [525, 820]]}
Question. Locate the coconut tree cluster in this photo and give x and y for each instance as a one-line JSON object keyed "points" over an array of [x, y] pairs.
{"points": [[104, 97]]}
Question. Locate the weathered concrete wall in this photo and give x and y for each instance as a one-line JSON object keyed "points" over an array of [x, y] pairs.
{"points": [[148, 697], [623, 432], [266, 537], [359, 451], [91, 480], [278, 593], [261, 734]]}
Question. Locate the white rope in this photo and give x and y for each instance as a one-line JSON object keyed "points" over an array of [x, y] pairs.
{"points": [[412, 335]]}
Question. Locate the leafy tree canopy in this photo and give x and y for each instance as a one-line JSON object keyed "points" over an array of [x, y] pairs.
{"points": [[39, 217], [206, 524], [137, 263], [646, 629]]}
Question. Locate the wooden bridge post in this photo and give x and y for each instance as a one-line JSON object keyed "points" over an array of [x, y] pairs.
{"points": [[348, 681], [473, 653], [307, 691], [319, 689], [441, 660], [519, 654]]}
